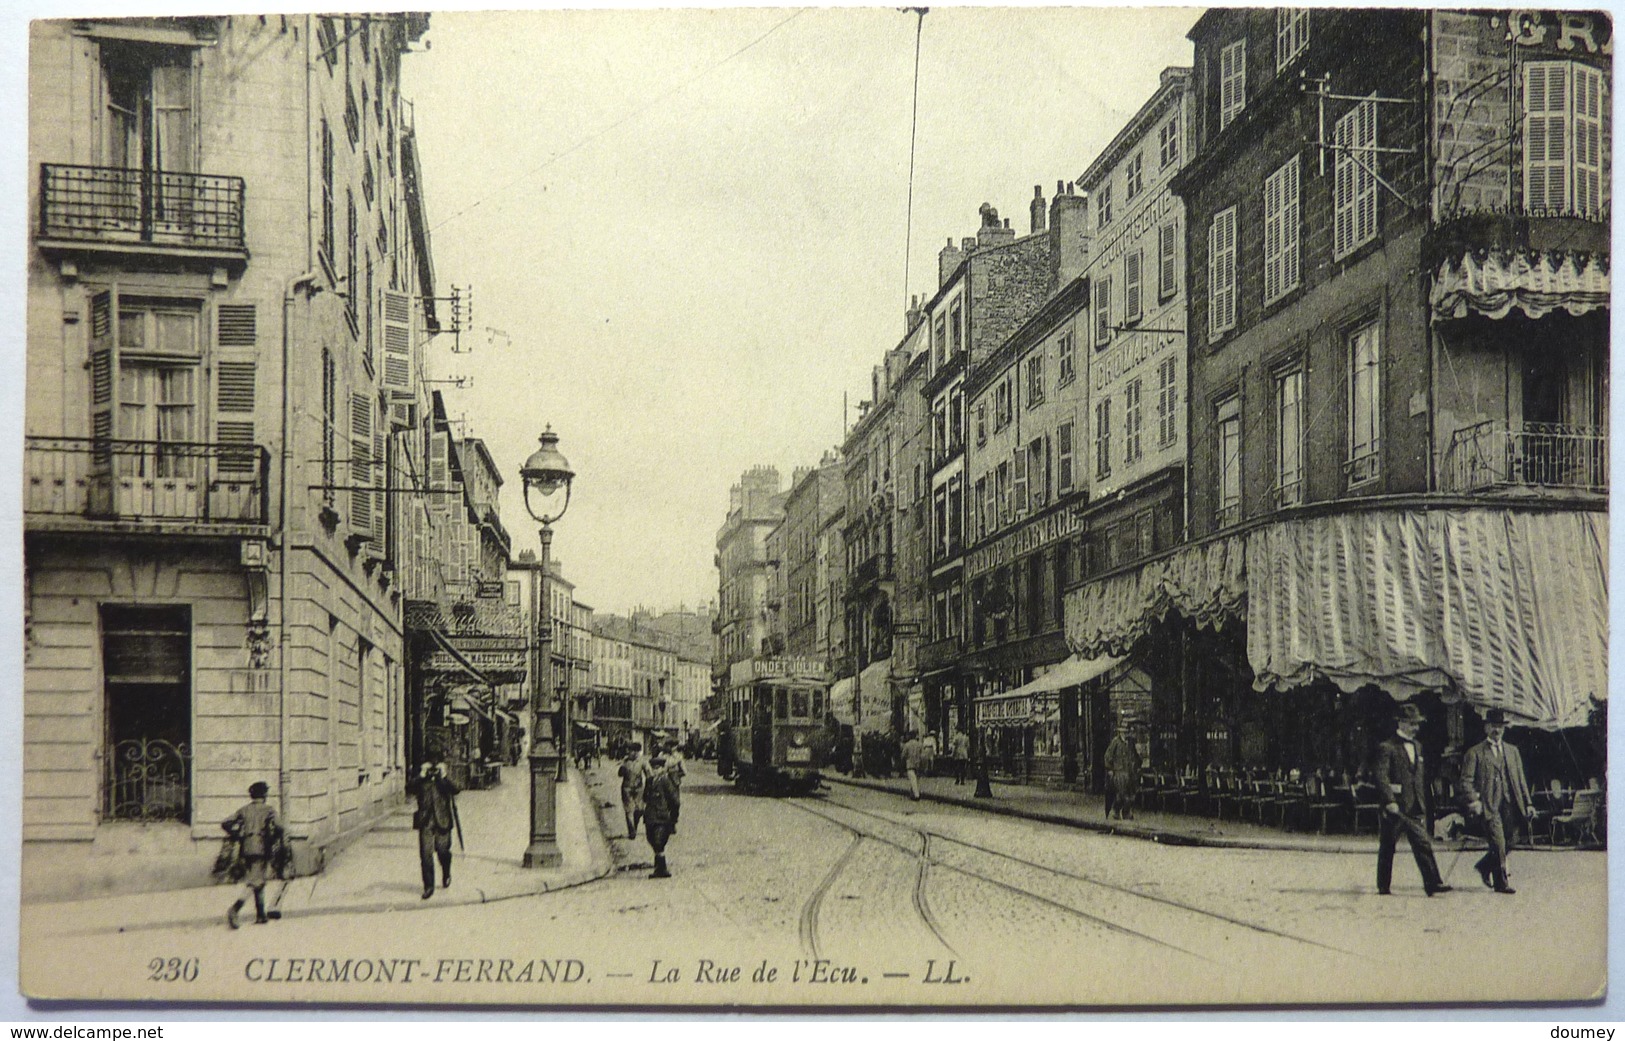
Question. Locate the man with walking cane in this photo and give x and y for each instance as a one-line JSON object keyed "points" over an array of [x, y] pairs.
{"points": [[1401, 783], [435, 819], [1493, 787]]}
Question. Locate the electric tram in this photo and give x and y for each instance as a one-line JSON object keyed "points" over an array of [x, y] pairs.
{"points": [[777, 735]]}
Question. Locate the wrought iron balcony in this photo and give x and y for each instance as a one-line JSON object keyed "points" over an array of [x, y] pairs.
{"points": [[115, 206], [144, 481], [1494, 454]]}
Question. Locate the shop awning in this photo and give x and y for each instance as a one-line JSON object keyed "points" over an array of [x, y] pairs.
{"points": [[1206, 582], [445, 644], [840, 701], [873, 697], [470, 703], [1505, 609], [1072, 672], [1495, 283]]}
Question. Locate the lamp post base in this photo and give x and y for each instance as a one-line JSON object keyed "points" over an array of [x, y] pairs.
{"points": [[543, 851]]}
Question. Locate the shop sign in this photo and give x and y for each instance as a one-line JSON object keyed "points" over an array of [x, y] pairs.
{"points": [[1019, 543], [1017, 709], [484, 661], [752, 669], [1568, 30]]}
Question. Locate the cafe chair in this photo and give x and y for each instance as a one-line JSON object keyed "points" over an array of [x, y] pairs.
{"points": [[1581, 819]]}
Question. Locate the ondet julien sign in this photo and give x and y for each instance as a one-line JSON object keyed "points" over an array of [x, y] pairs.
{"points": [[752, 669]]}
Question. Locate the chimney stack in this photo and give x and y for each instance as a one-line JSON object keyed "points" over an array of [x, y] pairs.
{"points": [[993, 232], [1069, 233], [1037, 208], [948, 261], [913, 316]]}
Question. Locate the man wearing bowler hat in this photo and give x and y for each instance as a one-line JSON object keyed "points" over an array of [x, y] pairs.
{"points": [[1401, 781], [1493, 786]]}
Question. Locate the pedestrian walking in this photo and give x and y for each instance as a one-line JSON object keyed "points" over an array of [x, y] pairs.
{"points": [[859, 768], [1122, 775], [1401, 780], [674, 762], [931, 749], [634, 774], [662, 800], [913, 760], [961, 747], [258, 834], [1493, 787], [434, 820]]}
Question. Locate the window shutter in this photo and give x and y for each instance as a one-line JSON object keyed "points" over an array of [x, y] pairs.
{"points": [[1063, 457], [236, 325], [361, 464], [380, 500], [1131, 286], [398, 339], [1365, 218], [1167, 270], [1221, 248], [234, 414], [1545, 165], [1291, 222], [1232, 82], [103, 379], [1103, 310], [1343, 190], [1018, 493], [1588, 102], [1272, 237]]}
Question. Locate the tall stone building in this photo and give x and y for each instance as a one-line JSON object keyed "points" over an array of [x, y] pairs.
{"points": [[1398, 229], [229, 287], [755, 509]]}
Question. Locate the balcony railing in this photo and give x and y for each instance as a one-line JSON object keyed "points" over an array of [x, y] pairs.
{"points": [[107, 204], [1493, 454], [145, 480], [878, 568]]}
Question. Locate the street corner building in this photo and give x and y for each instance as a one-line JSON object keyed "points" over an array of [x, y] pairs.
{"points": [[230, 291], [1292, 405]]}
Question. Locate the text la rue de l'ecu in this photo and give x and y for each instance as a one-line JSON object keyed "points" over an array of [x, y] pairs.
{"points": [[699, 971]]}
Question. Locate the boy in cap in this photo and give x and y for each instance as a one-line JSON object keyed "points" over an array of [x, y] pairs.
{"points": [[662, 800], [258, 832], [1493, 786]]}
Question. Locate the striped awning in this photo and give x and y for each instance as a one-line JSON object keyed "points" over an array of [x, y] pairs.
{"points": [[1500, 608], [1495, 283], [1503, 609]]}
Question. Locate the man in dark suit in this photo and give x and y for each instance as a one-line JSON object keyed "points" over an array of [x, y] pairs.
{"points": [[434, 819], [1493, 786], [1400, 780]]}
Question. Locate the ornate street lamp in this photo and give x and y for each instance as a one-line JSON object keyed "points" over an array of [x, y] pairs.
{"points": [[546, 475]]}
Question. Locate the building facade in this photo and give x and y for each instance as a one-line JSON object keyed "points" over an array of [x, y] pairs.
{"points": [[1398, 333], [213, 364], [756, 507]]}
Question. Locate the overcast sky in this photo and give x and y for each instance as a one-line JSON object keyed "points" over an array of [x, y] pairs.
{"points": [[686, 230]]}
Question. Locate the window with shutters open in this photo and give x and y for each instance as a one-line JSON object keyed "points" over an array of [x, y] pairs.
{"points": [[1562, 138], [1291, 35], [398, 341], [1019, 481], [361, 477], [1221, 274], [1232, 82], [1227, 425], [1038, 472], [1131, 422], [1063, 458], [1281, 231], [1167, 261], [1103, 310], [1364, 403], [1354, 210], [1132, 306], [1103, 438]]}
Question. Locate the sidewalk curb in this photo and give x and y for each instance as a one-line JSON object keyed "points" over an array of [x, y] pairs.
{"points": [[1159, 835]]}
